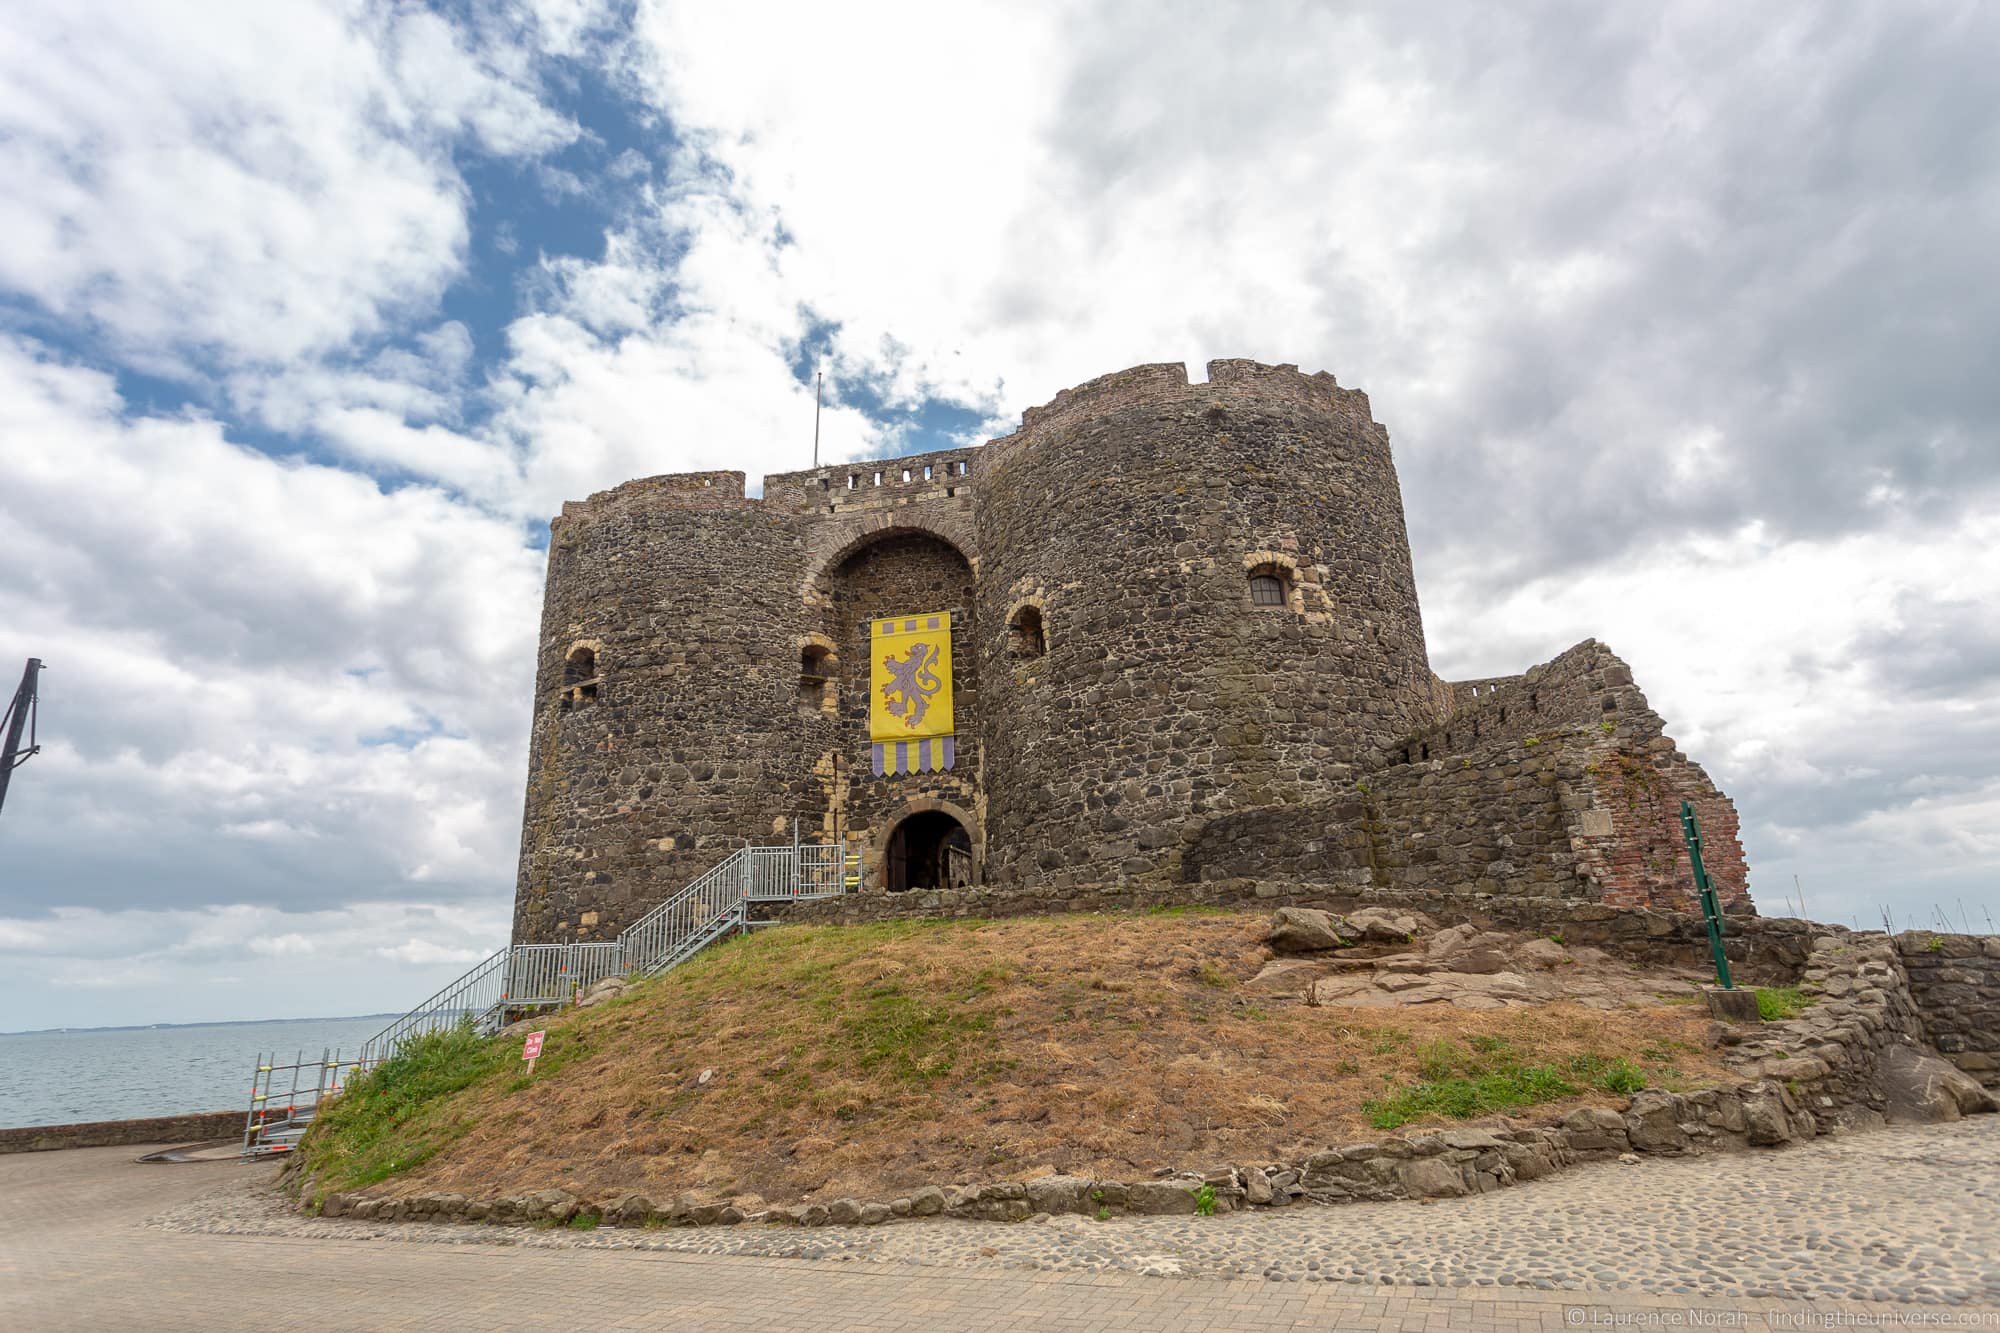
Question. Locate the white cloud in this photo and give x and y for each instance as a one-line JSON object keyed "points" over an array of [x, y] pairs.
{"points": [[22, 936], [257, 182], [423, 952], [261, 672]]}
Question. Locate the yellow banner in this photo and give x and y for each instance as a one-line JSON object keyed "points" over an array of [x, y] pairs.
{"points": [[909, 700]]}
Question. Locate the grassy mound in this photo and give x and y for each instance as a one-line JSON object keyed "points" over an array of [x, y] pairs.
{"points": [[870, 1059]]}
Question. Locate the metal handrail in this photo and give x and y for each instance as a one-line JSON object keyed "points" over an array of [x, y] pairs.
{"points": [[470, 996], [526, 976], [678, 927], [540, 974]]}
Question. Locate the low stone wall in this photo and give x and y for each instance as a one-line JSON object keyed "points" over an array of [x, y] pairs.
{"points": [[1442, 1164], [1859, 1007], [1859, 1053], [195, 1127], [1955, 980]]}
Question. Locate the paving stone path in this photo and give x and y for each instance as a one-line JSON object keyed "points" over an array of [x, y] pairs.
{"points": [[1893, 1227]]}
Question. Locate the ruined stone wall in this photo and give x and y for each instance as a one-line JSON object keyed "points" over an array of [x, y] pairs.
{"points": [[1581, 689], [1955, 980], [1133, 511], [1626, 831], [1556, 784]]}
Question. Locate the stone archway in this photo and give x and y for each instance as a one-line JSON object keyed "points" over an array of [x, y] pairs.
{"points": [[899, 572], [835, 544], [930, 845]]}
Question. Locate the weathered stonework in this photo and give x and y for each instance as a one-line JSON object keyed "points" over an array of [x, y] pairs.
{"points": [[1956, 982], [1132, 720]]}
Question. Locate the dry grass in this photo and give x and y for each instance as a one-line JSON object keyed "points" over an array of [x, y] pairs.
{"points": [[873, 1059]]}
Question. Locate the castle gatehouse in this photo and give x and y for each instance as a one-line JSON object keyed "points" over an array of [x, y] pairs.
{"points": [[1163, 636]]}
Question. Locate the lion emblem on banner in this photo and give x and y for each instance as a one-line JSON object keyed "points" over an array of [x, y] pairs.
{"points": [[912, 683]]}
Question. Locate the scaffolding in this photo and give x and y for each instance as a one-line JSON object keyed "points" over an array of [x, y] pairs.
{"points": [[285, 1097]]}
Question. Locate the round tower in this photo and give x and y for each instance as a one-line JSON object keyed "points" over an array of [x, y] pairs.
{"points": [[1196, 599], [665, 731]]}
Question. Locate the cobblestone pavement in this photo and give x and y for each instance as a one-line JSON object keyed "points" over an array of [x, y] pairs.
{"points": [[1888, 1229]]}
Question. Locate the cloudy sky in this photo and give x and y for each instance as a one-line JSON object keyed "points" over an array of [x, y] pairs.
{"points": [[1683, 320]]}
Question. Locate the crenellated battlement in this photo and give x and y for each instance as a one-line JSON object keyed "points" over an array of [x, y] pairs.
{"points": [[878, 483], [672, 490], [1165, 384]]}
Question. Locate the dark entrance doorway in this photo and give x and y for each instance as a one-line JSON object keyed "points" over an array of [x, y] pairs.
{"points": [[928, 851]]}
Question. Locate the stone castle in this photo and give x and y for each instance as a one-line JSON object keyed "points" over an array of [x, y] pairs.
{"points": [[1187, 664]]}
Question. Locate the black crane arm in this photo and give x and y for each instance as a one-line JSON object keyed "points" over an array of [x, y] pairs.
{"points": [[23, 714]]}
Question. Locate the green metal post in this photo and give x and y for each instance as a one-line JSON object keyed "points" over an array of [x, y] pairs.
{"points": [[1711, 906]]}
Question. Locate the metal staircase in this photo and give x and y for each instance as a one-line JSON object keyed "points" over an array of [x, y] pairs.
{"points": [[283, 1101], [525, 977]]}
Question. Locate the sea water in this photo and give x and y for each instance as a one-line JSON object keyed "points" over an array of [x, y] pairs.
{"points": [[83, 1074]]}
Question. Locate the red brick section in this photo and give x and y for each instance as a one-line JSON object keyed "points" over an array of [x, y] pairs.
{"points": [[195, 1127], [1644, 861]]}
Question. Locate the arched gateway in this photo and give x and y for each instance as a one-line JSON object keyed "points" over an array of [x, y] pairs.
{"points": [[907, 797], [928, 850]]}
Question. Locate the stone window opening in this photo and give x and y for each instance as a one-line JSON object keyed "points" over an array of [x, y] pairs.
{"points": [[1271, 586], [853, 481], [1503, 715], [927, 472], [817, 666], [1026, 637], [580, 678], [1427, 752], [961, 467]]}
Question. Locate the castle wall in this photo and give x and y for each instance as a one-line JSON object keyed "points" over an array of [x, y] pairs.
{"points": [[692, 741], [1559, 783], [1161, 729], [1133, 510], [701, 733]]}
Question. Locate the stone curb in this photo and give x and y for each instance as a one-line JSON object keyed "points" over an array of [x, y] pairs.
{"points": [[1443, 1164]]}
